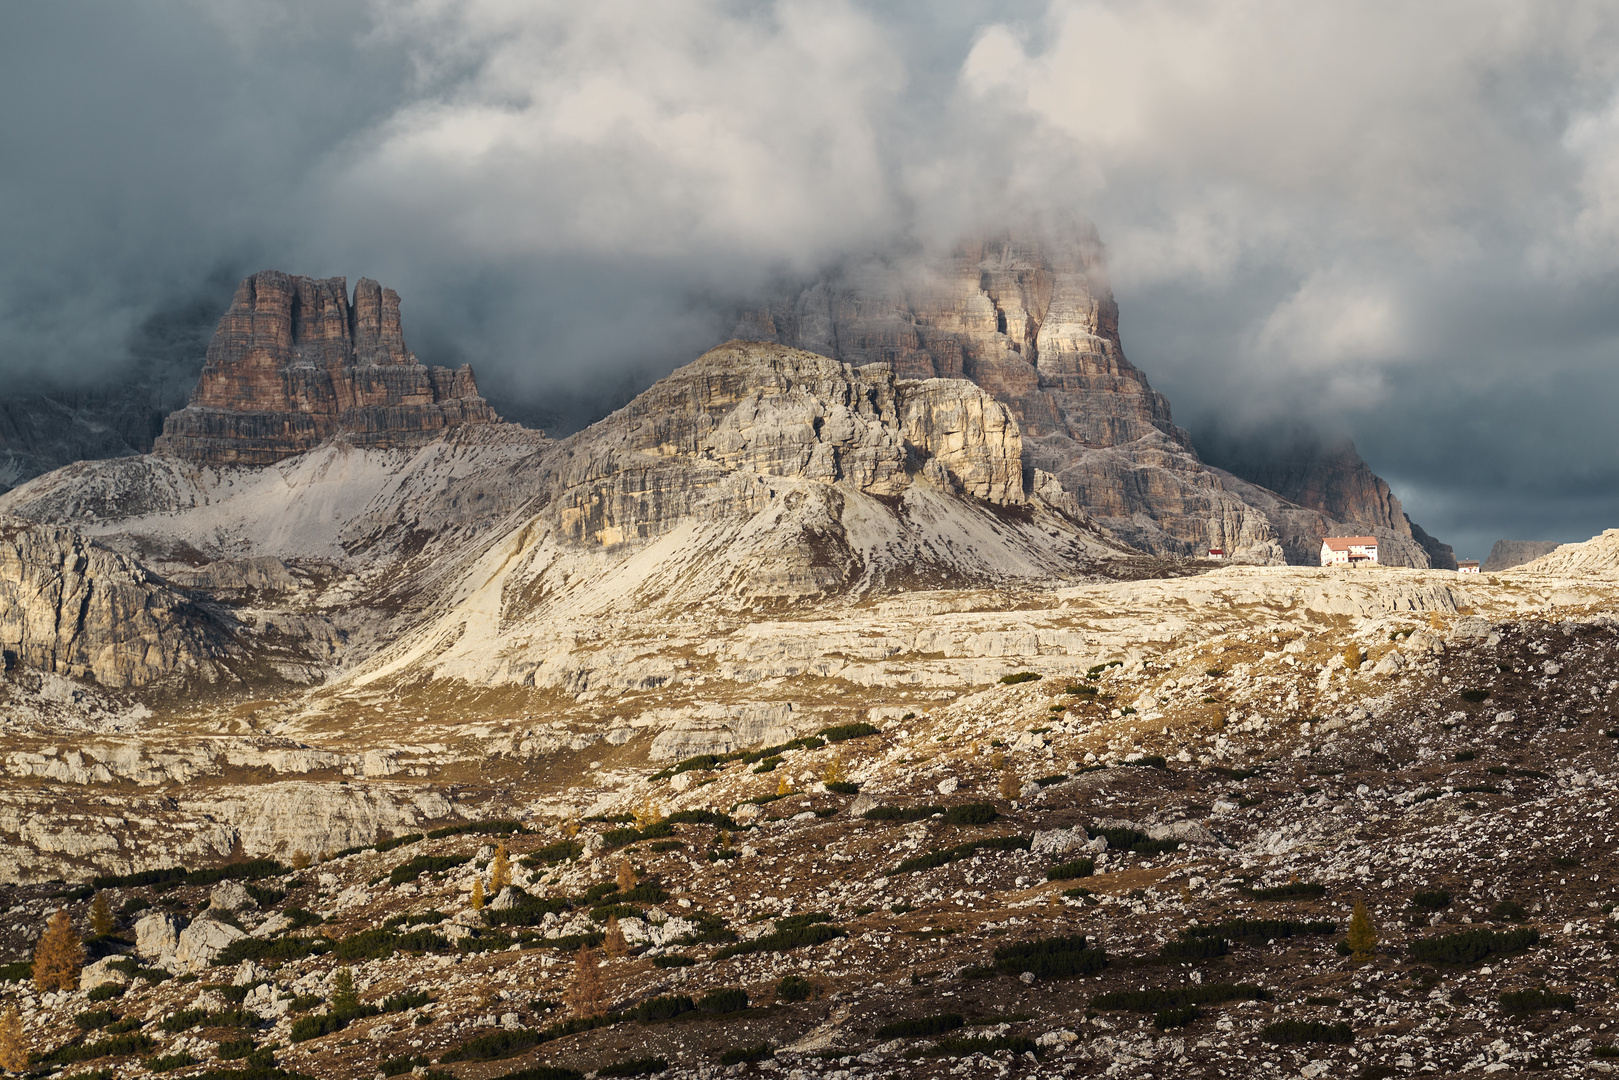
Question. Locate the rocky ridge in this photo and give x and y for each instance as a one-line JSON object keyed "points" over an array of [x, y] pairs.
{"points": [[1596, 558], [71, 607], [757, 474], [294, 363], [1506, 554], [1028, 314]]}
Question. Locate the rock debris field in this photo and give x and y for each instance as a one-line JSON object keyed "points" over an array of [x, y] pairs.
{"points": [[1143, 868]]}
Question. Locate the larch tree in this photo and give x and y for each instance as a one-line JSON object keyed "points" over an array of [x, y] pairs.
{"points": [[13, 1041], [59, 956], [1362, 935], [500, 870], [613, 942], [586, 996], [101, 920]]}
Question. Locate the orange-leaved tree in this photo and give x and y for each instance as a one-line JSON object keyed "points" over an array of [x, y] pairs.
{"points": [[586, 996], [59, 956]]}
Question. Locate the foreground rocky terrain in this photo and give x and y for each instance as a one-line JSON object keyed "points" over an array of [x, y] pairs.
{"points": [[1201, 791]]}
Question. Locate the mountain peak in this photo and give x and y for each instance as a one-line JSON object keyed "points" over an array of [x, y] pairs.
{"points": [[295, 362]]}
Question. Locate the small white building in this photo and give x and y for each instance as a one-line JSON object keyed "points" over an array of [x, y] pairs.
{"points": [[1467, 566], [1216, 553], [1349, 551]]}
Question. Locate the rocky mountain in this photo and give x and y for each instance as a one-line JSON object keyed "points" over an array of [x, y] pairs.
{"points": [[1596, 558], [43, 431], [294, 363], [1029, 315], [824, 732], [48, 420], [757, 474], [422, 548], [1330, 478], [1505, 554]]}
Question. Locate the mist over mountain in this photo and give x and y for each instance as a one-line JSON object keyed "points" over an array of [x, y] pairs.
{"points": [[1365, 219]]}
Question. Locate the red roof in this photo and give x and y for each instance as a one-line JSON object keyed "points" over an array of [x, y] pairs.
{"points": [[1344, 543]]}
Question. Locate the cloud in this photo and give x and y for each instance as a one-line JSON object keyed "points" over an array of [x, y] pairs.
{"points": [[1394, 220], [681, 130]]}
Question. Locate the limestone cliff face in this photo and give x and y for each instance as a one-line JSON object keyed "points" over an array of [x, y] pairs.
{"points": [[294, 363], [1030, 317], [1032, 320], [70, 607], [1334, 480], [771, 411], [1330, 478]]}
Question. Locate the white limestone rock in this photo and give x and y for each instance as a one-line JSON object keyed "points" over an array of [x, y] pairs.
{"points": [[93, 975], [1058, 841], [155, 936], [231, 896], [203, 940]]}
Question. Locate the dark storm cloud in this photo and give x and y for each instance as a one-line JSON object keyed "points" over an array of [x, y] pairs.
{"points": [[1397, 222]]}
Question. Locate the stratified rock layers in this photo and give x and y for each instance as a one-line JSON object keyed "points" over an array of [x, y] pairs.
{"points": [[1033, 321], [293, 363], [763, 410], [70, 607]]}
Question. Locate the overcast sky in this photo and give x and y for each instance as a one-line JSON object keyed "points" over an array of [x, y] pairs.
{"points": [[1398, 221]]}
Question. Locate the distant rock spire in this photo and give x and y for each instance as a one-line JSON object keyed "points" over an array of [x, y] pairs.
{"points": [[293, 363]]}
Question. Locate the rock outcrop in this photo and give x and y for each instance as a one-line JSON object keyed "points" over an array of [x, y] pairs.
{"points": [[294, 363], [770, 411], [1032, 320], [156, 935], [1597, 557], [74, 608], [1029, 316], [204, 939], [1506, 554]]}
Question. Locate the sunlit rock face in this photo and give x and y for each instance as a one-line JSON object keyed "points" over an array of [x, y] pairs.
{"points": [[294, 363], [71, 607], [1030, 317]]}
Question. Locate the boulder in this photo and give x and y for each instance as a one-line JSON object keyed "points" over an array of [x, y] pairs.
{"points": [[155, 936], [247, 973], [203, 940], [93, 975], [1187, 832], [231, 896], [1391, 664], [1058, 841]]}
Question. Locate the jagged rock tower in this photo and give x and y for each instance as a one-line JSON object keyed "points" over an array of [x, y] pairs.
{"points": [[1029, 315], [294, 363]]}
